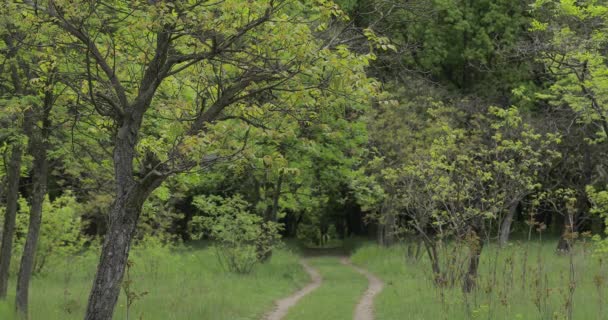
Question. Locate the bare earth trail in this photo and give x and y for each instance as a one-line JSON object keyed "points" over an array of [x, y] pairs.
{"points": [[365, 307], [283, 305]]}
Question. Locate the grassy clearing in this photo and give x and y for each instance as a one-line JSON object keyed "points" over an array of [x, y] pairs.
{"points": [[183, 284], [503, 291], [336, 298]]}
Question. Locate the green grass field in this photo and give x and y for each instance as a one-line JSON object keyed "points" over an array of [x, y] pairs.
{"points": [[181, 285], [542, 294], [190, 284]]}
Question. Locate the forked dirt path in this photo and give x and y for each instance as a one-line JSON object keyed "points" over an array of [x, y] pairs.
{"points": [[283, 305], [365, 307]]}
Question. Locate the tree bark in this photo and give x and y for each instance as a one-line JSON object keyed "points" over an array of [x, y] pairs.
{"points": [[123, 217], [12, 196], [38, 145], [39, 190], [505, 227], [114, 255]]}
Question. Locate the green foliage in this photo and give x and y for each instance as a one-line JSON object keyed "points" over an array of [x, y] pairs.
{"points": [[61, 232], [599, 199], [468, 46], [574, 35], [460, 170], [242, 238]]}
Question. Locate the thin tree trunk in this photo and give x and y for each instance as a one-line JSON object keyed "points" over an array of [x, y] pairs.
{"points": [[29, 251], [564, 244], [38, 148], [272, 216], [505, 227], [12, 196], [389, 231], [470, 278], [431, 250]]}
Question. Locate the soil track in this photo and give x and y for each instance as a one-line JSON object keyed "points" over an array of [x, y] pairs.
{"points": [[283, 305], [365, 307]]}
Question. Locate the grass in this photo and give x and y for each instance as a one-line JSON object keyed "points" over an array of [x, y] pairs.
{"points": [[183, 284], [189, 283], [502, 291], [337, 296]]}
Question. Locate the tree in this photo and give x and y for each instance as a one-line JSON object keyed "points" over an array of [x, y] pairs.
{"points": [[571, 38], [197, 62], [469, 175]]}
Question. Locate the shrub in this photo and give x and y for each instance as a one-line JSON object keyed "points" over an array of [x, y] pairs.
{"points": [[60, 232], [242, 238]]}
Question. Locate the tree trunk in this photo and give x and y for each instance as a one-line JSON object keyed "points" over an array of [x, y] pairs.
{"points": [[386, 227], [39, 189], [565, 240], [431, 250], [114, 255], [38, 148], [389, 231], [505, 227], [476, 245], [123, 217], [12, 196], [271, 216]]}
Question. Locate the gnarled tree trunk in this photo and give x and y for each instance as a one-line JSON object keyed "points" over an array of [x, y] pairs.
{"points": [[8, 230]]}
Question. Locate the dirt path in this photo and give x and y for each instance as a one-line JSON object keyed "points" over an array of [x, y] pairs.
{"points": [[365, 307], [283, 305]]}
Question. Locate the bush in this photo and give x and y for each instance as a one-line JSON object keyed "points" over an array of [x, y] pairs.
{"points": [[242, 238], [60, 232]]}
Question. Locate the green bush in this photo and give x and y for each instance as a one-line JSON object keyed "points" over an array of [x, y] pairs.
{"points": [[242, 238]]}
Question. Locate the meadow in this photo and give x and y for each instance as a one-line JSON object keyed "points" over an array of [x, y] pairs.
{"points": [[525, 280], [521, 281], [179, 284]]}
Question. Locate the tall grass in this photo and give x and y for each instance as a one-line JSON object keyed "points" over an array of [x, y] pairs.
{"points": [[173, 284], [521, 281]]}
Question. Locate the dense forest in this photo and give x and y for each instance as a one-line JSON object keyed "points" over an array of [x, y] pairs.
{"points": [[457, 149]]}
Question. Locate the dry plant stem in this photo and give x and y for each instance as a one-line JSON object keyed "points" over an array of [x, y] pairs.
{"points": [[572, 279]]}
